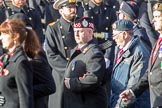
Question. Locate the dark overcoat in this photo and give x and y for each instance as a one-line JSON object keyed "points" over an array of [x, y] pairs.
{"points": [[17, 85], [86, 71], [43, 80]]}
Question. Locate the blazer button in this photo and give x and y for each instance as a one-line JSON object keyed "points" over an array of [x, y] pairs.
{"points": [[63, 37], [151, 86], [65, 48], [68, 59], [150, 73]]}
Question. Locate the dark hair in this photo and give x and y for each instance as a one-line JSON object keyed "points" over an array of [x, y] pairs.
{"points": [[32, 44]]}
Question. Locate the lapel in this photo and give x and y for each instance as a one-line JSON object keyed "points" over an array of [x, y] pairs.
{"points": [[124, 55], [151, 65], [127, 53]]}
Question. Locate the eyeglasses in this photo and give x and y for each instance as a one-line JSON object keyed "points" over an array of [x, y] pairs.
{"points": [[116, 34]]}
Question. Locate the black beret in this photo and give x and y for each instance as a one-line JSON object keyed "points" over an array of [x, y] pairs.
{"points": [[130, 9], [60, 3], [158, 7], [84, 22], [123, 25]]}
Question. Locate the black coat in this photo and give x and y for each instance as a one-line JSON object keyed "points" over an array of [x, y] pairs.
{"points": [[17, 86], [58, 43], [43, 81], [86, 91], [153, 80]]}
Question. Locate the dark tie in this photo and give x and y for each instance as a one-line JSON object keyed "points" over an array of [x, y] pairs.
{"points": [[118, 56], [156, 49]]}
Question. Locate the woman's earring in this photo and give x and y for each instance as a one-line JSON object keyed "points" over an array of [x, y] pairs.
{"points": [[15, 42]]}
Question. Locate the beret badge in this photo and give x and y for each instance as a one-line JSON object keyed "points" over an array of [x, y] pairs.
{"points": [[85, 23], [114, 26]]}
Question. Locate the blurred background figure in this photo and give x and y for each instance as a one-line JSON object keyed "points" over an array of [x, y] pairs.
{"points": [[46, 11], [19, 6], [145, 18], [129, 10]]}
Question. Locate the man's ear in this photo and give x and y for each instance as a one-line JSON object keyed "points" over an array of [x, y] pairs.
{"points": [[125, 34], [60, 11], [90, 31]]}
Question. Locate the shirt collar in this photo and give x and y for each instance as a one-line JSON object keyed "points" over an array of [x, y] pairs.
{"points": [[65, 24], [160, 36], [127, 45]]}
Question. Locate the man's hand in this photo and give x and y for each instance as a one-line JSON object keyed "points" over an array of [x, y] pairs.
{"points": [[67, 82], [2, 100], [126, 95]]}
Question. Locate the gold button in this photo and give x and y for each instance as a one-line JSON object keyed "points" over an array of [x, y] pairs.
{"points": [[65, 48], [107, 18], [150, 73], [68, 59], [92, 17], [107, 28], [30, 18]]}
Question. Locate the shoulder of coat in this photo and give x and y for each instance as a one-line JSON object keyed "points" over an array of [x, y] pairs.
{"points": [[52, 24]]}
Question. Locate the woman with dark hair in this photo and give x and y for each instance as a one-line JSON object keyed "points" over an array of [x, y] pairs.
{"points": [[16, 75], [43, 81]]}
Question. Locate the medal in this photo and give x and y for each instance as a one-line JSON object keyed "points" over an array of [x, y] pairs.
{"points": [[160, 51], [161, 65], [73, 65]]}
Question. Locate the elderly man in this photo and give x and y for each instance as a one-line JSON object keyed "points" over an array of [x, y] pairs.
{"points": [[152, 78], [59, 40], [130, 64], [85, 73]]}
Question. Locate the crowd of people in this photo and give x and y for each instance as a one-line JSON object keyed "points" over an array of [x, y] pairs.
{"points": [[81, 54]]}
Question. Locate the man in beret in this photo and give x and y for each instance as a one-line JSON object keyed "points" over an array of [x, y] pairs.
{"points": [[59, 40], [130, 10], [85, 73], [130, 64], [152, 78]]}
